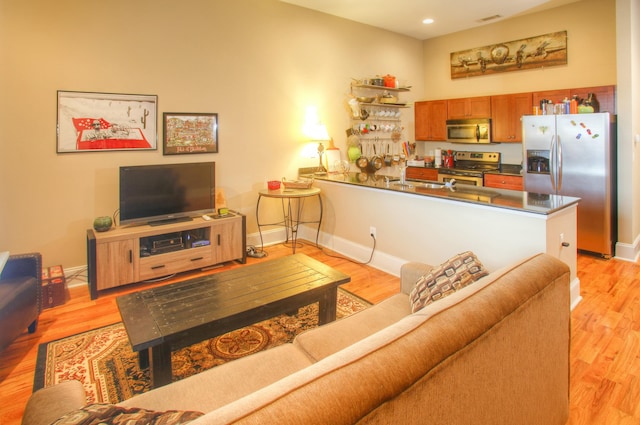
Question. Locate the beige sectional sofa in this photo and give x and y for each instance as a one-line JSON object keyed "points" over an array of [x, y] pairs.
{"points": [[494, 352]]}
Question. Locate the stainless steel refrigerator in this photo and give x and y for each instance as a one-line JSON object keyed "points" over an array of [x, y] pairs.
{"points": [[574, 155]]}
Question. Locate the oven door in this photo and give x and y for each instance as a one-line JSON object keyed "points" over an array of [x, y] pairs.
{"points": [[468, 180]]}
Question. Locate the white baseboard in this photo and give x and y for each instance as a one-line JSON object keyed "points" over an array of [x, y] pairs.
{"points": [[269, 237], [380, 260], [76, 276], [628, 252], [575, 293]]}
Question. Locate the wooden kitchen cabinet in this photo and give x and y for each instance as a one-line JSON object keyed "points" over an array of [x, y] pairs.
{"points": [[431, 120], [469, 107], [556, 96], [422, 173], [502, 181], [506, 116], [127, 255], [605, 95]]}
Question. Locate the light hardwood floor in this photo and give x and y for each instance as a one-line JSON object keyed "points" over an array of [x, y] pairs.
{"points": [[605, 352]]}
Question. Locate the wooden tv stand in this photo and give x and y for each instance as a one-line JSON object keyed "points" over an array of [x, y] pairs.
{"points": [[133, 254]]}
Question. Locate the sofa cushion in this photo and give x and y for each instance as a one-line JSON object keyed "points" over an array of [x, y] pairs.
{"points": [[109, 414], [332, 337], [450, 276], [223, 384]]}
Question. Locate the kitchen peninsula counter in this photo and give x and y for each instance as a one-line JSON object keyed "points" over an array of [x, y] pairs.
{"points": [[500, 198], [391, 225]]}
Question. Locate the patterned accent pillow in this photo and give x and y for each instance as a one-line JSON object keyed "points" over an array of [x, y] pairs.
{"points": [[450, 276], [109, 414]]}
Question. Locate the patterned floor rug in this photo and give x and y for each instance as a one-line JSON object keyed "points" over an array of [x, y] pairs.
{"points": [[102, 359]]}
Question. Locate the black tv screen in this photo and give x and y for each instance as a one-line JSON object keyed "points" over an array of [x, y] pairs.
{"points": [[157, 194]]}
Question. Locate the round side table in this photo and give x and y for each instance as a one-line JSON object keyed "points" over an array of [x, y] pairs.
{"points": [[292, 201]]}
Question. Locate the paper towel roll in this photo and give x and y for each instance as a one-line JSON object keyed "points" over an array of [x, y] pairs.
{"points": [[332, 155]]}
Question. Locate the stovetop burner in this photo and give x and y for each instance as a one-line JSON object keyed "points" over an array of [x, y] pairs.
{"points": [[473, 164]]}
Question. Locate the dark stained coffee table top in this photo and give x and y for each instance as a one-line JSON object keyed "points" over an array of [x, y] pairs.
{"points": [[190, 311]]}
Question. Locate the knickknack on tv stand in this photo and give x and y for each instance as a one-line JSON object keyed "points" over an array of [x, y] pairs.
{"points": [[127, 255]]}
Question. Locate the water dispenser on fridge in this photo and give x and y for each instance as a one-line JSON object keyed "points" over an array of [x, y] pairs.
{"points": [[538, 161]]}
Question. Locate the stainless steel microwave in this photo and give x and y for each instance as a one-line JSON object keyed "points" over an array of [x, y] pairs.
{"points": [[469, 131]]}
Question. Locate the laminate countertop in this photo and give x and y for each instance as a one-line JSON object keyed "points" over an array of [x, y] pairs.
{"points": [[500, 198]]}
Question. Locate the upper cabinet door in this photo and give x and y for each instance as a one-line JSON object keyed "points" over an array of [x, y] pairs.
{"points": [[469, 107], [506, 120], [431, 120]]}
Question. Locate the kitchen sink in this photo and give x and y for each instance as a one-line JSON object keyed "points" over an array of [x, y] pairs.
{"points": [[418, 184]]}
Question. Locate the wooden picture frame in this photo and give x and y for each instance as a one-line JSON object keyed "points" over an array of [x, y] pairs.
{"points": [[190, 133], [90, 122], [527, 53]]}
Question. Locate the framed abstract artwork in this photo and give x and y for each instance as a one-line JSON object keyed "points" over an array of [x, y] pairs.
{"points": [[90, 122], [186, 133]]}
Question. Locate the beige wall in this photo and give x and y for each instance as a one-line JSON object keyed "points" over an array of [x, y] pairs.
{"points": [[590, 26], [258, 64]]}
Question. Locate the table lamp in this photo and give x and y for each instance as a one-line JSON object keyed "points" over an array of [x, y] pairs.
{"points": [[318, 133]]}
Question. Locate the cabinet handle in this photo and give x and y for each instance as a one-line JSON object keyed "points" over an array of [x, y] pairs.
{"points": [[565, 244], [218, 239], [158, 267], [197, 259], [131, 256]]}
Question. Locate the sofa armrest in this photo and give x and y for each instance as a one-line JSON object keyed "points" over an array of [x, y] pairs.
{"points": [[48, 404], [23, 265], [409, 274]]}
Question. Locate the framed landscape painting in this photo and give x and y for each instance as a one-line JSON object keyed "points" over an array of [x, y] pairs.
{"points": [[186, 133], [89, 122]]}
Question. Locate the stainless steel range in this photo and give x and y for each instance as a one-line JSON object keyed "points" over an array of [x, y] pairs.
{"points": [[470, 167]]}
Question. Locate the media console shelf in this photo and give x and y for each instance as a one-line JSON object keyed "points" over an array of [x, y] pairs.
{"points": [[133, 254]]}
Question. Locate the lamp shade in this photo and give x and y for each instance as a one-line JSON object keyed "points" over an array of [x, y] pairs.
{"points": [[317, 131]]}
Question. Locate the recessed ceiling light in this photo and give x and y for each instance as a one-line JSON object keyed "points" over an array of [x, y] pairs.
{"points": [[427, 21]]}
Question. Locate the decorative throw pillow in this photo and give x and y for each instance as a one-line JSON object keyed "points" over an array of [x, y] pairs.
{"points": [[109, 414], [450, 276]]}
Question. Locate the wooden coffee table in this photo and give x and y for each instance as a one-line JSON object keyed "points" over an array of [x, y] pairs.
{"points": [[173, 316]]}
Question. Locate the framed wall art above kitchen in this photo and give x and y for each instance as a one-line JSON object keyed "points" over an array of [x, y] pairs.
{"points": [[186, 133], [527, 53], [89, 122]]}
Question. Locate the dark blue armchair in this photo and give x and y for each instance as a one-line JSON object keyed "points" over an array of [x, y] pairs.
{"points": [[20, 296]]}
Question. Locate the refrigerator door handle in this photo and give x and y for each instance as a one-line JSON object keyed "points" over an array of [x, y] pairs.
{"points": [[552, 163], [559, 159]]}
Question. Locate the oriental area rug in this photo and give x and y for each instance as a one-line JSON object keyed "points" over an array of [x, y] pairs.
{"points": [[102, 359]]}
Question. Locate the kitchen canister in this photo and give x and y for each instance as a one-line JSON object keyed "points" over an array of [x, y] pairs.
{"points": [[438, 158]]}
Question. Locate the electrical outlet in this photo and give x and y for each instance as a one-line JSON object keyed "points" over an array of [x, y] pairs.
{"points": [[372, 231]]}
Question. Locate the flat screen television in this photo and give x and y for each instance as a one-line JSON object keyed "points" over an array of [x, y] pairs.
{"points": [[161, 194]]}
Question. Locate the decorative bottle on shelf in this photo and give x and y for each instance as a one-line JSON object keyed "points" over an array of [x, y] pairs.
{"points": [[593, 102], [585, 106], [573, 105]]}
